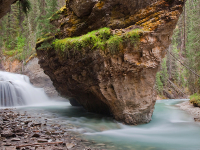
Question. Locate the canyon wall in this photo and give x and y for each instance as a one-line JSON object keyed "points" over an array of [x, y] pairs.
{"points": [[110, 70]]}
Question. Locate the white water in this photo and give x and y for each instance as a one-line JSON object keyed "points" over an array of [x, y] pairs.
{"points": [[16, 90]]}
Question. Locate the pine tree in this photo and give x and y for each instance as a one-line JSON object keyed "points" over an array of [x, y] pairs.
{"points": [[193, 45]]}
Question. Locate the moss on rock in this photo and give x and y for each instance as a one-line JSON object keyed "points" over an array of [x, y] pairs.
{"points": [[102, 39]]}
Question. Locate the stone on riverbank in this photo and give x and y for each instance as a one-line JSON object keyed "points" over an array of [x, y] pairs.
{"points": [[36, 137], [194, 111]]}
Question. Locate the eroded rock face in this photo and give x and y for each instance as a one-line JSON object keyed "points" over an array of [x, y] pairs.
{"points": [[38, 78], [81, 7], [123, 83], [5, 6]]}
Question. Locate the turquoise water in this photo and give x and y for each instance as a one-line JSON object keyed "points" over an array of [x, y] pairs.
{"points": [[170, 128]]}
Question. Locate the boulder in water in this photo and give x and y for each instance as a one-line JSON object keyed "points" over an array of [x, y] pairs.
{"points": [[108, 59]]}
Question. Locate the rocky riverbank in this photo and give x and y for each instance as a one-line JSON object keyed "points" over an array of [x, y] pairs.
{"points": [[20, 130], [194, 111]]}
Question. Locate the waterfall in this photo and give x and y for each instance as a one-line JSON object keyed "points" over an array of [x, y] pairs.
{"points": [[16, 90]]}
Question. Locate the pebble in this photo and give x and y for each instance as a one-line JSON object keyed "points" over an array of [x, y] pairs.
{"points": [[36, 135], [70, 145], [42, 140], [9, 148], [16, 130], [15, 139]]}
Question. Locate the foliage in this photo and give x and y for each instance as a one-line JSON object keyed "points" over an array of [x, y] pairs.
{"points": [[18, 31], [26, 6], [94, 39], [193, 45], [114, 42], [20, 43], [47, 10], [45, 45], [195, 99], [162, 77], [163, 72], [18, 48], [159, 84], [134, 35]]}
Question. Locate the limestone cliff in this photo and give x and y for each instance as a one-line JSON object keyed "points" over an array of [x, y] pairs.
{"points": [[110, 70]]}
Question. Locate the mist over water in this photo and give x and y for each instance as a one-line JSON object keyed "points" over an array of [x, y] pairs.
{"points": [[16, 90], [170, 128]]}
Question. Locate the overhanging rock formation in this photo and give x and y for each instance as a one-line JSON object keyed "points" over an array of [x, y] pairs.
{"points": [[5, 6], [110, 70]]}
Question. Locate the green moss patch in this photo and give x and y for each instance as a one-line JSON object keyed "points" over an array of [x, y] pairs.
{"points": [[98, 39], [12, 52], [195, 100]]}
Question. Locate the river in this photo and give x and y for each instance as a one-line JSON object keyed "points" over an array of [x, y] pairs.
{"points": [[170, 128]]}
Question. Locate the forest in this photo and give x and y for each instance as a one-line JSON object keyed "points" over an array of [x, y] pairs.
{"points": [[180, 69], [179, 74]]}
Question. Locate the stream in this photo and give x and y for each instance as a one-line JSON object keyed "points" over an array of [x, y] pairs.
{"points": [[170, 128]]}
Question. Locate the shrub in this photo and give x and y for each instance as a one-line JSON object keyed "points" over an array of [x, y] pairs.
{"points": [[195, 100]]}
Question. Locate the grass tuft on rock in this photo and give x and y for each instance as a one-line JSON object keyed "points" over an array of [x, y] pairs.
{"points": [[195, 100], [114, 42], [134, 35]]}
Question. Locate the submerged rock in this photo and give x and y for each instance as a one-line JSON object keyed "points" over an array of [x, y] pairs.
{"points": [[110, 70]]}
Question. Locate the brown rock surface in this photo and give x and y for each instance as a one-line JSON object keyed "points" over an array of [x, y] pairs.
{"points": [[38, 78], [121, 84], [5, 6], [81, 7], [10, 65]]}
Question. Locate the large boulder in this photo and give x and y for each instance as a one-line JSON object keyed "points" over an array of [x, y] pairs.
{"points": [[5, 6], [82, 7], [111, 70]]}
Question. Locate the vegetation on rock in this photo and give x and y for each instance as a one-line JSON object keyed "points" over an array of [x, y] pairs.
{"points": [[195, 100], [98, 39]]}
